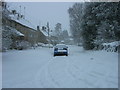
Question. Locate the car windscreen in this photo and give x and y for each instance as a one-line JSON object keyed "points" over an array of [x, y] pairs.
{"points": [[61, 46]]}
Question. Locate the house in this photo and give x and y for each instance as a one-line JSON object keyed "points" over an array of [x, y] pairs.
{"points": [[31, 34]]}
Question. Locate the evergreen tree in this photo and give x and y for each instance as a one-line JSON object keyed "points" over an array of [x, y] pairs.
{"points": [[95, 22]]}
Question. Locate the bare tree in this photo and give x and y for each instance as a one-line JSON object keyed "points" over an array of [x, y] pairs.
{"points": [[76, 13]]}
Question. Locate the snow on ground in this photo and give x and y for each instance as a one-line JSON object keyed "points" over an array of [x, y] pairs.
{"points": [[37, 68]]}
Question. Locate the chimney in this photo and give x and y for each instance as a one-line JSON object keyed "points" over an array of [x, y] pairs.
{"points": [[38, 28]]}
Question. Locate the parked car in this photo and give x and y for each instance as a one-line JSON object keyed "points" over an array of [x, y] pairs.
{"points": [[60, 49]]}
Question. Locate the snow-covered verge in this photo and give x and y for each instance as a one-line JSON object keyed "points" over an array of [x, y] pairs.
{"points": [[110, 47], [37, 68]]}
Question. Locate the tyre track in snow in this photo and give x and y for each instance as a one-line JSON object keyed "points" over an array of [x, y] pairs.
{"points": [[55, 73], [53, 79], [91, 79], [80, 80], [40, 78], [58, 76], [75, 71], [45, 78], [74, 75]]}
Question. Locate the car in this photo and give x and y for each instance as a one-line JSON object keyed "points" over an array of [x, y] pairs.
{"points": [[60, 49]]}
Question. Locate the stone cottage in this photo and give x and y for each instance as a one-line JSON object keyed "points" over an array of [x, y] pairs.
{"points": [[30, 33]]}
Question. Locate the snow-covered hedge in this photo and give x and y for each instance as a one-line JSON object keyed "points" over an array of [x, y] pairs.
{"points": [[40, 44], [21, 44], [6, 38], [45, 45], [48, 45], [109, 47], [9, 40]]}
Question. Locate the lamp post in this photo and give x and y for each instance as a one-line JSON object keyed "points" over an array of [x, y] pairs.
{"points": [[48, 33]]}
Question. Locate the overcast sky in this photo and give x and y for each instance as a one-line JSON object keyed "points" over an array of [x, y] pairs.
{"points": [[43, 12]]}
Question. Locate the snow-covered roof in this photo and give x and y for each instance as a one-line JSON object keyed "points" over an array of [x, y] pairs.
{"points": [[16, 32], [44, 32], [23, 21], [19, 33]]}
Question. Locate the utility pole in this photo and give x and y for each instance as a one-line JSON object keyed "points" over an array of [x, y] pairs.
{"points": [[48, 33]]}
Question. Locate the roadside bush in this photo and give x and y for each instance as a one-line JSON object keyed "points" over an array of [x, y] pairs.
{"points": [[20, 45], [109, 47]]}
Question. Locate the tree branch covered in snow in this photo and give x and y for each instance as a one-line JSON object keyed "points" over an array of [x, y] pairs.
{"points": [[95, 23]]}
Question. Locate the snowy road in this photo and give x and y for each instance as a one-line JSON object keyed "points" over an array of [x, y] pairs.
{"points": [[80, 69]]}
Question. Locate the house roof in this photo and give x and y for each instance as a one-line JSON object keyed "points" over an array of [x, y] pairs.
{"points": [[14, 31], [23, 22]]}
